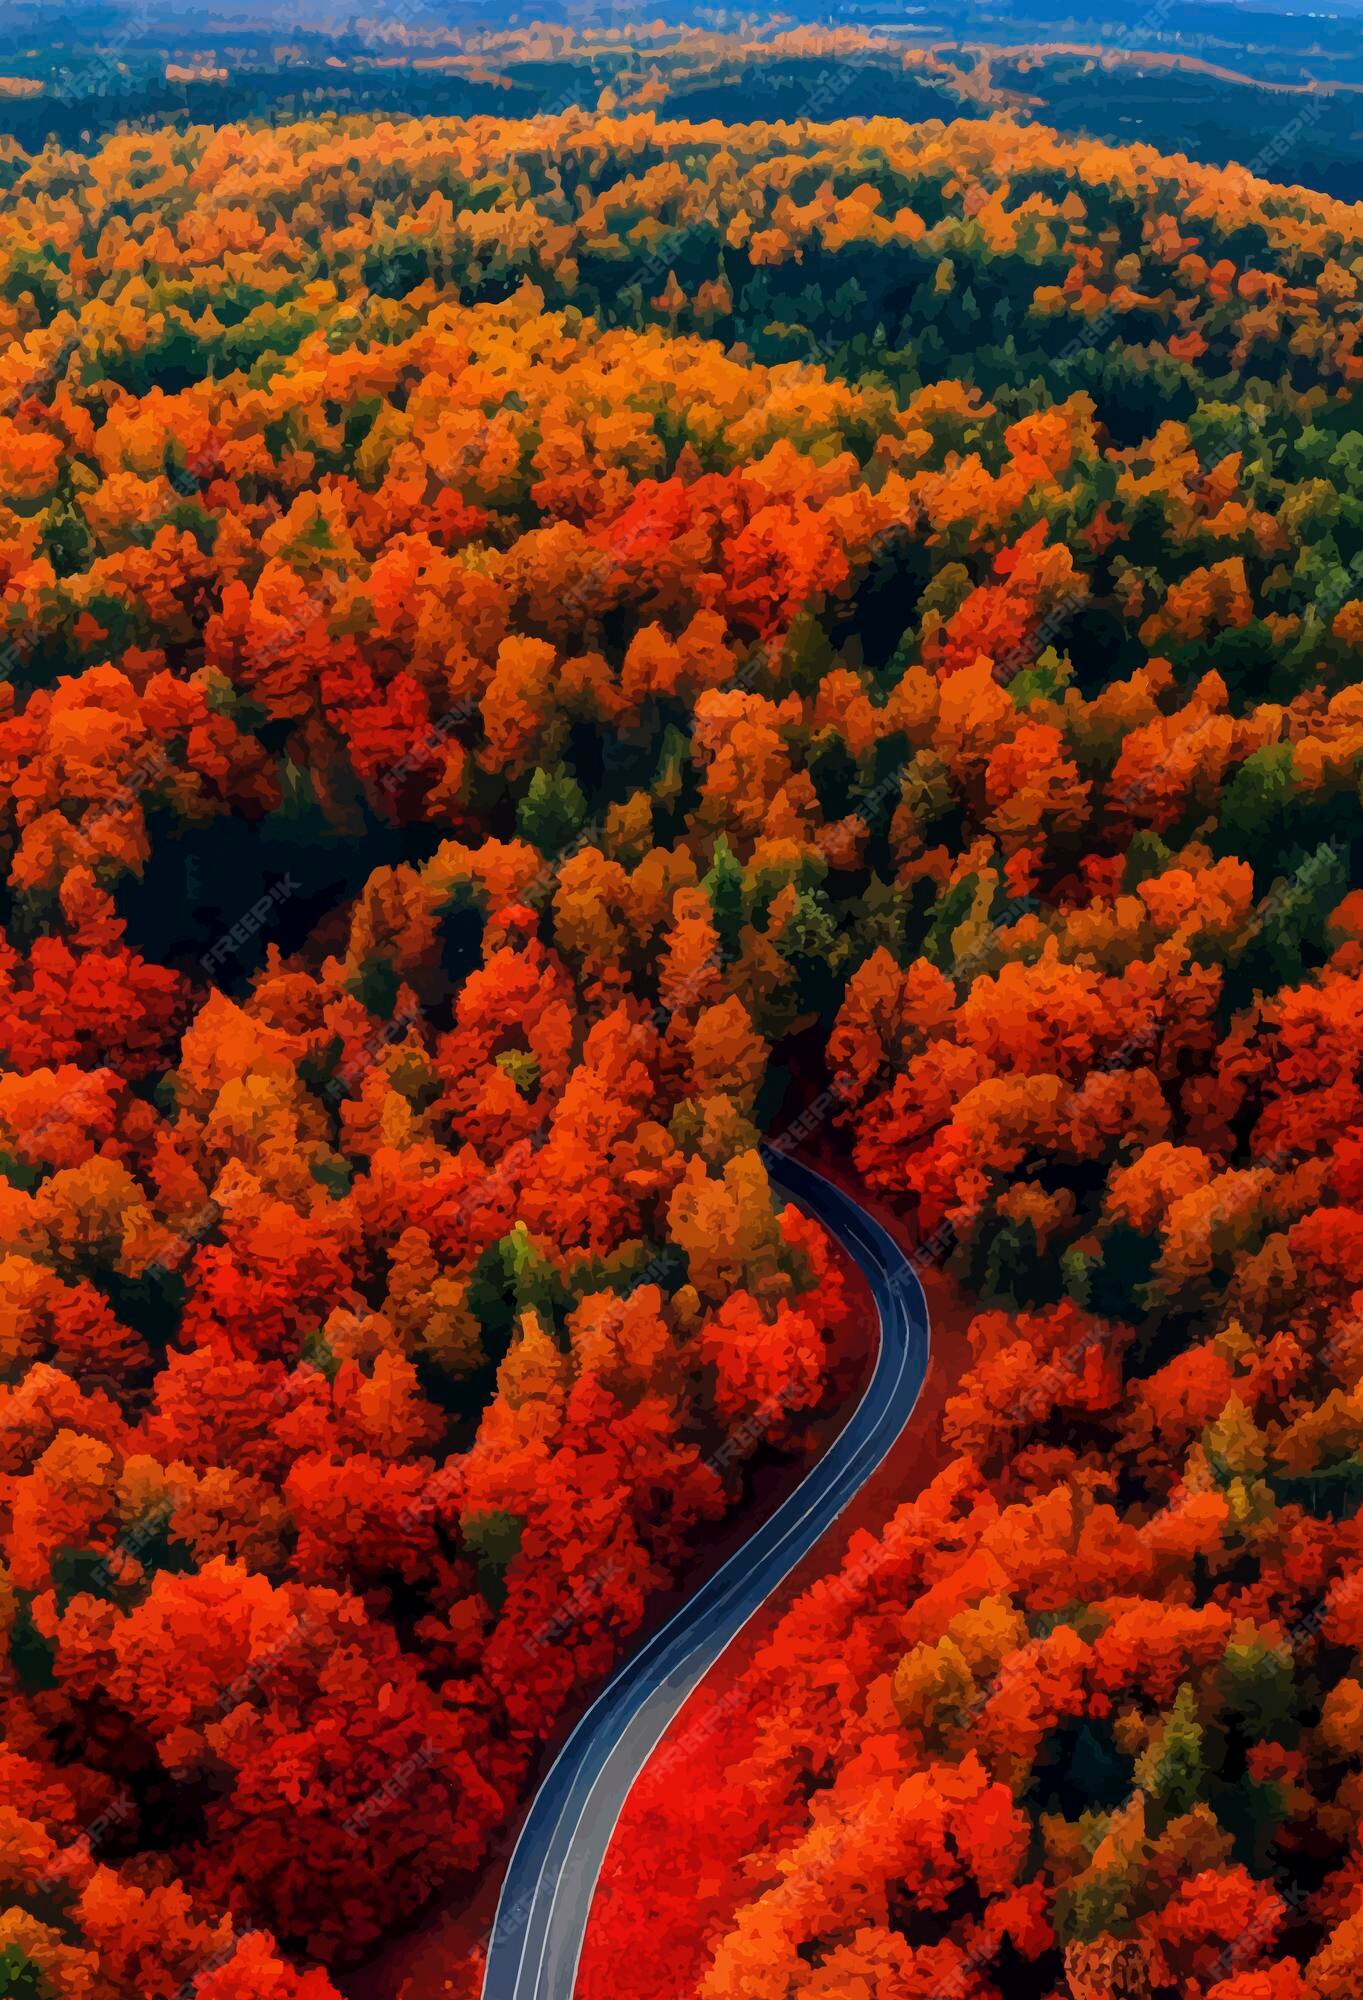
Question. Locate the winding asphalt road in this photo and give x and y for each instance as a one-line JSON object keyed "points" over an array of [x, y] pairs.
{"points": [[546, 1897]]}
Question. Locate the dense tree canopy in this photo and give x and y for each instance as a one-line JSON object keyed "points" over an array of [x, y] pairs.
{"points": [[504, 626]]}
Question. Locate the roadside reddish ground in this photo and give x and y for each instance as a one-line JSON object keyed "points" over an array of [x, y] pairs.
{"points": [[444, 1955], [674, 1871]]}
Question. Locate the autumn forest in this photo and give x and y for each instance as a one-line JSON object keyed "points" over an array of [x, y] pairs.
{"points": [[538, 660]]}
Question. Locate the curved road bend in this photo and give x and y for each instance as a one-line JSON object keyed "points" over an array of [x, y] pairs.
{"points": [[546, 1897]]}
